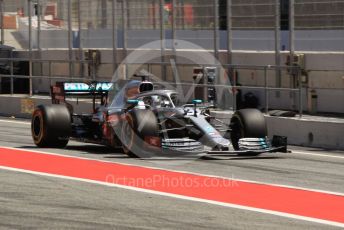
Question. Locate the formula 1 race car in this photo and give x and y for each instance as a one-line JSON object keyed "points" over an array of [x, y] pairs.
{"points": [[144, 121]]}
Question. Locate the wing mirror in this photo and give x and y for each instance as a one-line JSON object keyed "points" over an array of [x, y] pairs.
{"points": [[131, 104], [196, 102]]}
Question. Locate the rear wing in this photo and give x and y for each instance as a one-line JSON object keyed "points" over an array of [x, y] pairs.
{"points": [[84, 88], [60, 90]]}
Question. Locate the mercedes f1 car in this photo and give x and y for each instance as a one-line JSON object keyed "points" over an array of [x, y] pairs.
{"points": [[143, 121]]}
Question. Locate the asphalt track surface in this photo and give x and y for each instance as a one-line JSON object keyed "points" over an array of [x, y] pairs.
{"points": [[38, 201]]}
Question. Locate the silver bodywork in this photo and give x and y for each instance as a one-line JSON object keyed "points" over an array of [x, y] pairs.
{"points": [[165, 102], [211, 138]]}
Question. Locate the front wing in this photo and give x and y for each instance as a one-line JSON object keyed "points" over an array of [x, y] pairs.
{"points": [[249, 147], [256, 146]]}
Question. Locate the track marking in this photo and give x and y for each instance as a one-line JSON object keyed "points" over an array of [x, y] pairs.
{"points": [[293, 203], [182, 171], [15, 122], [316, 154], [281, 214]]}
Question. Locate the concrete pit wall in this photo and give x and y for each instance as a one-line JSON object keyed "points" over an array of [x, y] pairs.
{"points": [[309, 131]]}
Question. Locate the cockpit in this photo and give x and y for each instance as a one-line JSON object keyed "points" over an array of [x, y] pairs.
{"points": [[157, 101]]}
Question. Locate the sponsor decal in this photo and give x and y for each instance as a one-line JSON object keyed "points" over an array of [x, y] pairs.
{"points": [[76, 87], [105, 86]]}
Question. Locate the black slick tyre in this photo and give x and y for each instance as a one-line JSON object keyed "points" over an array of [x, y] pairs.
{"points": [[247, 123], [51, 126]]}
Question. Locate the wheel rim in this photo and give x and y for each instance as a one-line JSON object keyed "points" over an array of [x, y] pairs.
{"points": [[37, 126]]}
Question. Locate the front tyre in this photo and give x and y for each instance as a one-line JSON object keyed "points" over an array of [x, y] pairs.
{"points": [[247, 123], [51, 126]]}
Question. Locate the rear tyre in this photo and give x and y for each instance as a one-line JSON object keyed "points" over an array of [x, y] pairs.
{"points": [[51, 126], [138, 125], [247, 123]]}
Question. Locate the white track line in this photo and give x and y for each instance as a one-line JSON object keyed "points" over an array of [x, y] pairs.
{"points": [[316, 154], [286, 215], [15, 122]]}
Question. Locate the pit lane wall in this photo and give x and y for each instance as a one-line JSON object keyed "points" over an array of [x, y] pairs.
{"points": [[22, 106], [308, 131]]}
